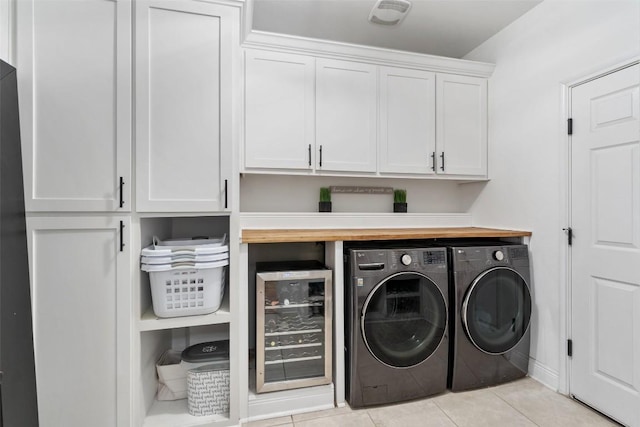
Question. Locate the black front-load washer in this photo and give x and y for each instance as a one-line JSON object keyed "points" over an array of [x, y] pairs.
{"points": [[491, 304], [395, 324]]}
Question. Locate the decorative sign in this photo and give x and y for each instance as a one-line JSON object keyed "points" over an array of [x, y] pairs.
{"points": [[336, 189]]}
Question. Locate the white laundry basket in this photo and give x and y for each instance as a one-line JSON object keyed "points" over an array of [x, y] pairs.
{"points": [[186, 288], [187, 276]]}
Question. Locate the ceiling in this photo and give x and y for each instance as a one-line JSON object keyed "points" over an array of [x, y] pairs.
{"points": [[449, 28]]}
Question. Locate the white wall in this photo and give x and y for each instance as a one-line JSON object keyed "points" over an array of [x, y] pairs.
{"points": [[275, 193], [557, 42]]}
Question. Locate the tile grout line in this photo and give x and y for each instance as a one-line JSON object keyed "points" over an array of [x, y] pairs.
{"points": [[516, 409], [372, 420], [445, 413]]}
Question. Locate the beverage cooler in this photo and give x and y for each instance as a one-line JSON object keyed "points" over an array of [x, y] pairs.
{"points": [[293, 325]]}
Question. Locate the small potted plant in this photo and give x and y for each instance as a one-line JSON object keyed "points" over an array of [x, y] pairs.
{"points": [[399, 200], [325, 200]]}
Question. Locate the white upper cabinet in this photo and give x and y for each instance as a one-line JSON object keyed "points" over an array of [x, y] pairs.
{"points": [[184, 80], [461, 125], [279, 110], [346, 108], [406, 126], [321, 116], [74, 71]]}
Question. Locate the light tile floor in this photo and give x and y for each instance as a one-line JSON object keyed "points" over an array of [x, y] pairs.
{"points": [[525, 402]]}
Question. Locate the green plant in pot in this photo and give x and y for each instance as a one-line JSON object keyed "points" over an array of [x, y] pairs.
{"points": [[399, 200], [325, 200]]}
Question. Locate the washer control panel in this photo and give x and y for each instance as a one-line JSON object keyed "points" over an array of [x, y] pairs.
{"points": [[418, 258], [372, 262], [434, 257]]}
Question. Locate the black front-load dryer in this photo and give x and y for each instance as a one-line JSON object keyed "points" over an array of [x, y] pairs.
{"points": [[491, 306], [396, 324]]}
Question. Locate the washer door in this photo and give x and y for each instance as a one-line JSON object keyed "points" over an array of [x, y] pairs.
{"points": [[404, 319], [496, 310]]}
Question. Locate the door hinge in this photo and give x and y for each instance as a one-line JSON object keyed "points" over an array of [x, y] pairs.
{"points": [[569, 348], [569, 232], [570, 126]]}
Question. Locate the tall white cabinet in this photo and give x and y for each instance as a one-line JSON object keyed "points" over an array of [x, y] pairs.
{"points": [[89, 211], [74, 74]]}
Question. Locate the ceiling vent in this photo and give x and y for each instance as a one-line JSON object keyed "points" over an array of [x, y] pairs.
{"points": [[389, 12]]}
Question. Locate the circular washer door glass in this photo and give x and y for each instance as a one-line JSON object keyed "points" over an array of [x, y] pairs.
{"points": [[404, 319], [496, 310]]}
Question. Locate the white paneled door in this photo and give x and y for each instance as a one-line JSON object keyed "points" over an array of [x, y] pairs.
{"points": [[80, 277], [605, 267], [346, 107], [74, 75], [407, 136], [279, 110], [184, 122]]}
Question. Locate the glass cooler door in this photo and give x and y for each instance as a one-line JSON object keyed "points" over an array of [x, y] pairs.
{"points": [[293, 330]]}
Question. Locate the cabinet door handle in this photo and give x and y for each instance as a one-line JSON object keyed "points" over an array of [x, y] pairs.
{"points": [[321, 156], [226, 199], [121, 236], [433, 161], [121, 192], [309, 155], [442, 161]]}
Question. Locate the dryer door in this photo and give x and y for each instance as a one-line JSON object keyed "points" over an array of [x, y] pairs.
{"points": [[496, 310], [404, 319]]}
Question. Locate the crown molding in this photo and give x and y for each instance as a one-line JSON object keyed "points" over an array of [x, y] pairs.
{"points": [[360, 53]]}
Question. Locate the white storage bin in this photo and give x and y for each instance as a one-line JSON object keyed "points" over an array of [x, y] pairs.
{"points": [[172, 377], [186, 288]]}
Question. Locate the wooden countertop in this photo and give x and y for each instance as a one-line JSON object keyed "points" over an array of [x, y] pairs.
{"points": [[351, 234]]}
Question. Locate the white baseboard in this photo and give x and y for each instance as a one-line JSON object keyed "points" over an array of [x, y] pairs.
{"points": [[543, 374], [289, 402]]}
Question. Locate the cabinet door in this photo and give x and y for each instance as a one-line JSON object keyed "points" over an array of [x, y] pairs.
{"points": [[279, 110], [345, 116], [82, 309], [184, 66], [461, 125], [75, 96], [407, 121]]}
